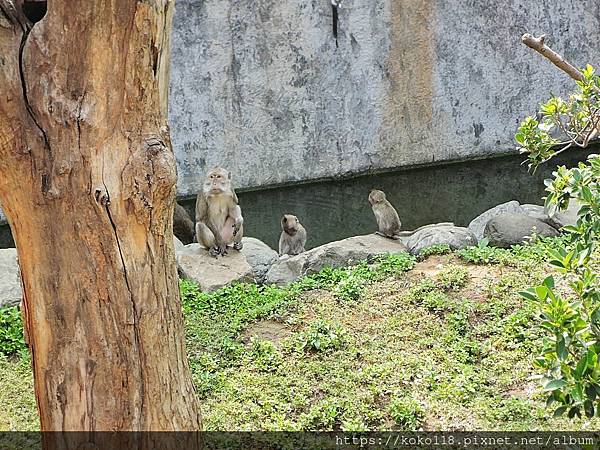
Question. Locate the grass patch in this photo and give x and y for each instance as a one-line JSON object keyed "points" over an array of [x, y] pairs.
{"points": [[18, 411], [363, 348]]}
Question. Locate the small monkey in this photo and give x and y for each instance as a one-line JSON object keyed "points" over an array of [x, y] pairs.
{"points": [[387, 218], [219, 220], [293, 236]]}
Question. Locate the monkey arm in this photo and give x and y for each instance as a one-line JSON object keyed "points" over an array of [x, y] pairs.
{"points": [[204, 235], [302, 238], [201, 208], [235, 212], [284, 247]]}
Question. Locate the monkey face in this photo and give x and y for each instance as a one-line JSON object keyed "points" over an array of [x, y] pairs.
{"points": [[376, 196], [217, 181], [289, 224]]}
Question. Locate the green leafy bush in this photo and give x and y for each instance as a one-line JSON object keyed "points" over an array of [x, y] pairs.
{"points": [[482, 253], [347, 283], [11, 331], [437, 301], [407, 413], [324, 415], [349, 289], [572, 323], [452, 277], [321, 336], [393, 265], [563, 123], [569, 360], [439, 249], [265, 355]]}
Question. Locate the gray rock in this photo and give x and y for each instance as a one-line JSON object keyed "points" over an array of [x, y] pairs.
{"points": [[536, 211], [194, 263], [477, 225], [510, 229], [559, 219], [183, 225], [260, 257], [453, 236], [567, 217], [178, 244], [334, 254], [3, 220], [10, 279]]}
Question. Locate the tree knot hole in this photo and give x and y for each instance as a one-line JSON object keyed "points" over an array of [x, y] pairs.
{"points": [[35, 10]]}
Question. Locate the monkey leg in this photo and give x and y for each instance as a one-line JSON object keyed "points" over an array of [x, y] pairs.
{"points": [[206, 238], [393, 236], [237, 240], [227, 236]]}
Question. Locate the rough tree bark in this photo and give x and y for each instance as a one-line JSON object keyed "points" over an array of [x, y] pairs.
{"points": [[87, 182]]}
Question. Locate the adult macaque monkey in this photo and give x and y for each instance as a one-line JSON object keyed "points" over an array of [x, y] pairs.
{"points": [[219, 221], [387, 218], [293, 236]]}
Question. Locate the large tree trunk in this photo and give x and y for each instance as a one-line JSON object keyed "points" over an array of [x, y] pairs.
{"points": [[87, 181]]}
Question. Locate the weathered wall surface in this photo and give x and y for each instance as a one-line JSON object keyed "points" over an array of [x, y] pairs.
{"points": [[260, 86]]}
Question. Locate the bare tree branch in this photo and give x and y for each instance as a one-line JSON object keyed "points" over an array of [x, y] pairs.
{"points": [[538, 45]]}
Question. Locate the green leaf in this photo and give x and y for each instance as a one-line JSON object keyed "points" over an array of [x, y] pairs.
{"points": [[590, 392], [553, 385], [592, 358], [574, 411], [559, 411], [542, 292], [528, 295], [549, 282], [557, 263], [581, 367], [587, 195], [588, 407], [561, 348]]}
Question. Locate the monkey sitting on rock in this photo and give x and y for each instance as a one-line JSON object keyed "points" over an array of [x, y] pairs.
{"points": [[293, 236], [388, 222], [219, 220]]}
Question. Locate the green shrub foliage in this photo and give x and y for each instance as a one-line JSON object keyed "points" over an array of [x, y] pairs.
{"points": [[11, 331], [571, 320]]}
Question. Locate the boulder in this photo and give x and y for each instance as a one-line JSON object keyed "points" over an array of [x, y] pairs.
{"points": [[453, 236], [510, 229], [478, 224], [334, 254], [195, 263], [10, 279], [537, 212], [183, 225], [260, 257], [567, 217], [177, 244], [3, 220]]}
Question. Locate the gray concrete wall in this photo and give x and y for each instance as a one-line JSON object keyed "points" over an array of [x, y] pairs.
{"points": [[260, 86]]}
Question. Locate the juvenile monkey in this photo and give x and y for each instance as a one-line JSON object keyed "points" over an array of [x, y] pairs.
{"points": [[293, 236], [219, 221], [387, 218]]}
